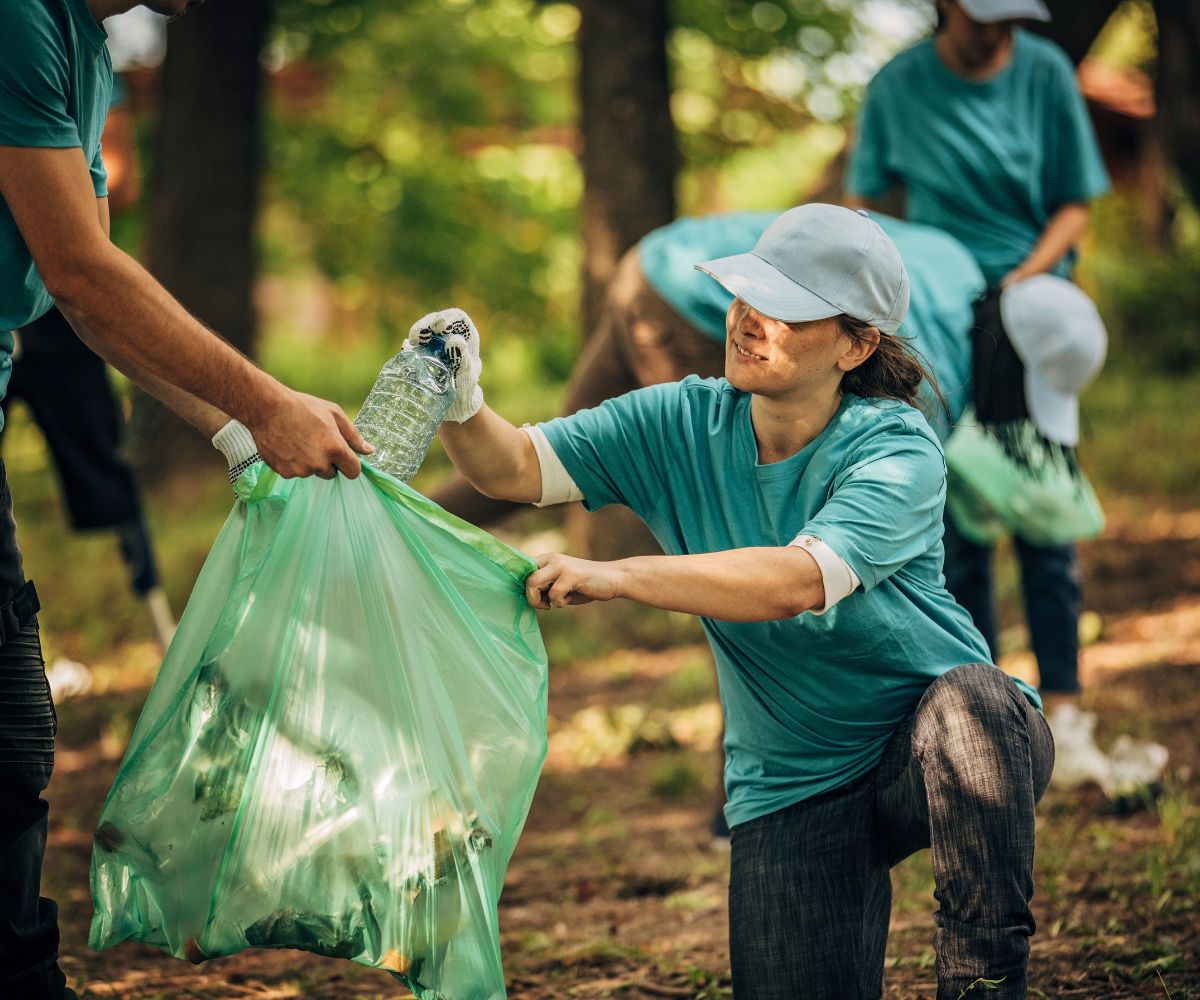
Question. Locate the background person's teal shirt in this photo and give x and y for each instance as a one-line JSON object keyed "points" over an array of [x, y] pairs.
{"points": [[988, 162], [944, 282], [809, 701], [55, 82]]}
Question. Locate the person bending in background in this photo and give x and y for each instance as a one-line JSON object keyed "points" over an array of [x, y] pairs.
{"points": [[799, 501], [984, 129], [67, 390]]}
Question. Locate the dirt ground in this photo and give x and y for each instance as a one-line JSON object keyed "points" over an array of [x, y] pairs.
{"points": [[617, 890]]}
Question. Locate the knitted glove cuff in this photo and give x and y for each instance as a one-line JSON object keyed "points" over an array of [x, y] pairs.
{"points": [[466, 406], [235, 442]]}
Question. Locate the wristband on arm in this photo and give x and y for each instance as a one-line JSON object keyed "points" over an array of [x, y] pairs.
{"points": [[557, 484], [838, 579]]}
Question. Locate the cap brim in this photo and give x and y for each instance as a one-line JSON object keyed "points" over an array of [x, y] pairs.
{"points": [[991, 11], [1054, 412], [767, 289]]}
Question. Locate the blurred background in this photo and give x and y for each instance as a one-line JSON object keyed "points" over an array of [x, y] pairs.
{"points": [[316, 174]]}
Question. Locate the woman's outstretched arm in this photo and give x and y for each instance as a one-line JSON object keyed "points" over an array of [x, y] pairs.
{"points": [[495, 457], [747, 585]]}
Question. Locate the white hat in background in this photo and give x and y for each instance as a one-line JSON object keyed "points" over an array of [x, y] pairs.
{"points": [[1059, 336]]}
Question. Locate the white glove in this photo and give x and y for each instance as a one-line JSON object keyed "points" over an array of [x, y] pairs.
{"points": [[235, 443], [462, 351]]}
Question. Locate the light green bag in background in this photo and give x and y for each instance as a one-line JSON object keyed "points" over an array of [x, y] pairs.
{"points": [[990, 495], [342, 744]]}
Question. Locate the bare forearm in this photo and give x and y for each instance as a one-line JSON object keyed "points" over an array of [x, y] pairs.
{"points": [[755, 584], [746, 585], [204, 417], [142, 331], [1062, 233], [495, 457]]}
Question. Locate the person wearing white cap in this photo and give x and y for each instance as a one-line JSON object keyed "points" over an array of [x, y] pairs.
{"points": [[799, 501], [984, 129]]}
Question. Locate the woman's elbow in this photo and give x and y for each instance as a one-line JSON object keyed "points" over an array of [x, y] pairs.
{"points": [[790, 605], [506, 490], [520, 485]]}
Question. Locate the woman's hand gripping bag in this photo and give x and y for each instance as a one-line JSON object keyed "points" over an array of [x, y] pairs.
{"points": [[340, 750]]}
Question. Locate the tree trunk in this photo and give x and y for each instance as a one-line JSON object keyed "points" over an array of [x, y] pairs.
{"points": [[629, 154], [1177, 85], [1075, 25], [204, 196]]}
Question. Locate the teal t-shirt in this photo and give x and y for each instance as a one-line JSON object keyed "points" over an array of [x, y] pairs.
{"points": [[989, 162], [944, 282], [810, 701], [55, 82]]}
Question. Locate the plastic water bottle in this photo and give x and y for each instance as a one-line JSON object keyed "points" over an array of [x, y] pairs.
{"points": [[404, 408]]}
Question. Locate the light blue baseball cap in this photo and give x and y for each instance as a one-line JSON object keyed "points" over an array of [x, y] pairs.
{"points": [[991, 11], [818, 261]]}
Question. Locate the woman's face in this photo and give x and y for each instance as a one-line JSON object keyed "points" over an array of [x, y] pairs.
{"points": [[775, 359]]}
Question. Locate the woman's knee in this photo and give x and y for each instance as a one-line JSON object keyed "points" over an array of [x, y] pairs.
{"points": [[967, 698]]}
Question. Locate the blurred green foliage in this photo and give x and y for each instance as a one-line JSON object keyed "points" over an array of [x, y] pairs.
{"points": [[1148, 290], [423, 152]]}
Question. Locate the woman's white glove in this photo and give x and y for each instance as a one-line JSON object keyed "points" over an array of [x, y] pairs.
{"points": [[462, 351]]}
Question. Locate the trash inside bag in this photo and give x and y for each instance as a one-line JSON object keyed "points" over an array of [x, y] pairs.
{"points": [[341, 747]]}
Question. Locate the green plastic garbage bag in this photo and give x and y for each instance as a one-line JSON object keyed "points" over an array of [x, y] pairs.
{"points": [[341, 747], [989, 495]]}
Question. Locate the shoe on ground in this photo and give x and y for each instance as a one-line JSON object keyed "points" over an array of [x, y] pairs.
{"points": [[1077, 759]]}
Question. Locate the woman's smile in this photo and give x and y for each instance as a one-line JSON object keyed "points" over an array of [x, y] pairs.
{"points": [[742, 352]]}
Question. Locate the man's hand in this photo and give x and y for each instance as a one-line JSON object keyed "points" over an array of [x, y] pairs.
{"points": [[561, 580], [301, 435]]}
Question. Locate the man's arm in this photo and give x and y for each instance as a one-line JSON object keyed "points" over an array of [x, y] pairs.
{"points": [[1062, 233], [743, 585], [205, 418], [142, 330]]}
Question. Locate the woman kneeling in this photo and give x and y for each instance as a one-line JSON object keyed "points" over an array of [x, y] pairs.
{"points": [[799, 499]]}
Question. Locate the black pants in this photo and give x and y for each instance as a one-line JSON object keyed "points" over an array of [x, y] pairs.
{"points": [[28, 923], [809, 889], [67, 389]]}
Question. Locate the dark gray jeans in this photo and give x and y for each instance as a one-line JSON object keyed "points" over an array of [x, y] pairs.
{"points": [[810, 892], [28, 922]]}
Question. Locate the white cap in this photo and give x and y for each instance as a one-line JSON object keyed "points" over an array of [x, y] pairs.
{"points": [[818, 261], [1059, 336], [991, 11]]}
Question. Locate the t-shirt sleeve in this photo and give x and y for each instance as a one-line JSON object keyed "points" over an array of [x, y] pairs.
{"points": [[885, 508], [99, 174], [34, 79], [867, 173], [1075, 168], [615, 451]]}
